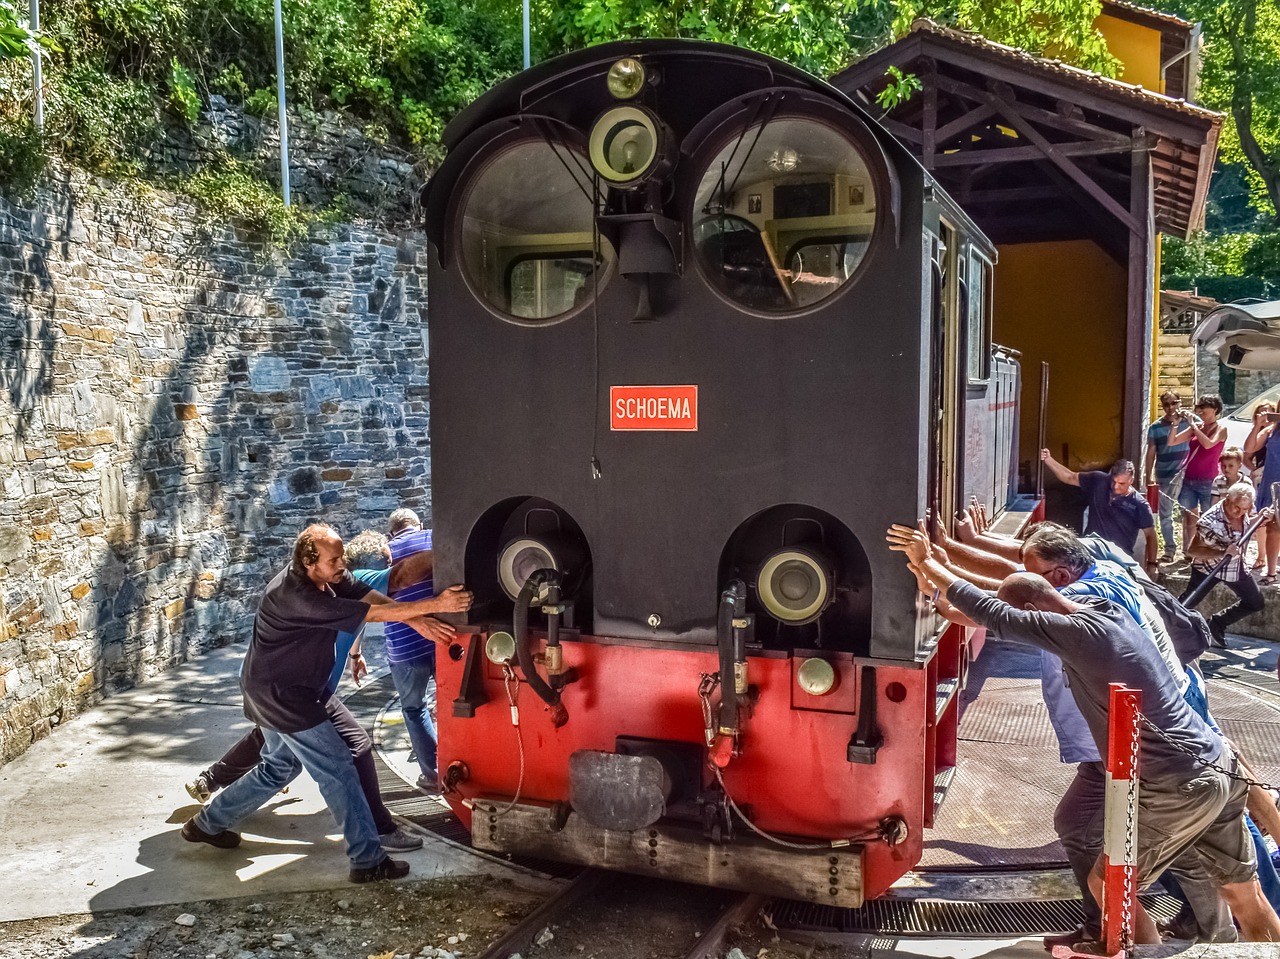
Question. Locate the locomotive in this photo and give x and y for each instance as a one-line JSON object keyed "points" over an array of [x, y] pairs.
{"points": [[700, 330]]}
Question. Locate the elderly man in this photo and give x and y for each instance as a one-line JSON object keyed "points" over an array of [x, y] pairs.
{"points": [[1117, 512], [285, 681], [1186, 808], [1220, 534]]}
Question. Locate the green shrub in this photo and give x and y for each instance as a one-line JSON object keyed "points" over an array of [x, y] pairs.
{"points": [[23, 158], [182, 92]]}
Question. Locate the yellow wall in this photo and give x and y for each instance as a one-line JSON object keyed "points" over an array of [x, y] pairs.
{"points": [[1137, 48], [1065, 303]]}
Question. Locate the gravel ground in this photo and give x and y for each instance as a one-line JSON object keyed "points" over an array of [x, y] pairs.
{"points": [[434, 920]]}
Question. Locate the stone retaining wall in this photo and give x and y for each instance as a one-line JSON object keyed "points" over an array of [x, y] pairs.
{"points": [[170, 416]]}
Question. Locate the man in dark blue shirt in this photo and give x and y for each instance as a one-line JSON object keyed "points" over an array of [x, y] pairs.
{"points": [[1117, 512]]}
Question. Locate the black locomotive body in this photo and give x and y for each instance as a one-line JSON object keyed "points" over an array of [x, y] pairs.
{"points": [[700, 330]]}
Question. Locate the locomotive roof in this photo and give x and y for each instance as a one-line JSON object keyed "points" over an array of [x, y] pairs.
{"points": [[526, 93], [522, 92]]}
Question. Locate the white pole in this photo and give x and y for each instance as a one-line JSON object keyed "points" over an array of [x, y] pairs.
{"points": [[284, 122], [37, 80], [526, 35]]}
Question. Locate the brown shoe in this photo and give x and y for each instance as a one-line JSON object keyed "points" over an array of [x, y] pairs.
{"points": [[223, 840], [387, 869]]}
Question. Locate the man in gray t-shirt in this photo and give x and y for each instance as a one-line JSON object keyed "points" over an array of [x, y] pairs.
{"points": [[1184, 806]]}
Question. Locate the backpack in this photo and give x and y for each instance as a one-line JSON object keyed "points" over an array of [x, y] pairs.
{"points": [[1187, 628]]}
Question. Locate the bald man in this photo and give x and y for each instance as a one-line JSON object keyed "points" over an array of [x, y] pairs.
{"points": [[285, 681]]}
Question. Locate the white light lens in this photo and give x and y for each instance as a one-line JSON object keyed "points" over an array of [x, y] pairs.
{"points": [[500, 647], [624, 144], [794, 587], [626, 78]]}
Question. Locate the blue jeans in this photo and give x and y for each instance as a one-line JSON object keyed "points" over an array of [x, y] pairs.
{"points": [[1196, 495], [412, 679], [322, 753], [1167, 498]]}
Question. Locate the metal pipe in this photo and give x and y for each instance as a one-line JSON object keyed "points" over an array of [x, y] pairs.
{"points": [[524, 655], [284, 122], [526, 34], [37, 78], [1040, 438]]}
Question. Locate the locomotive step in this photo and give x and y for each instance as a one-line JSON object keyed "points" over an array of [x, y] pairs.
{"points": [[946, 692]]}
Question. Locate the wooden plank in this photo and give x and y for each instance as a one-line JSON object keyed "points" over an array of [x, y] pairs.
{"points": [[674, 851], [961, 124], [903, 132], [1063, 163], [929, 125], [1023, 154], [1139, 309], [711, 943]]}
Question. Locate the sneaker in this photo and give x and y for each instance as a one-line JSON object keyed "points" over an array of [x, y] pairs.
{"points": [[200, 789], [399, 840], [1218, 632], [387, 869], [223, 840], [429, 784]]}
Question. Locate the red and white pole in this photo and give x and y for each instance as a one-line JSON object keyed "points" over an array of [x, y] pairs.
{"points": [[1119, 841], [1119, 844]]}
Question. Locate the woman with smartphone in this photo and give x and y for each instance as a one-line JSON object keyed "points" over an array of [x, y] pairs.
{"points": [[1263, 445], [1207, 439]]}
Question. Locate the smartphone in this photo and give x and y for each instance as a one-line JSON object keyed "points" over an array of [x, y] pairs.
{"points": [[1273, 417]]}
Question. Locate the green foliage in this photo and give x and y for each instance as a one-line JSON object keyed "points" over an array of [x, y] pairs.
{"points": [[1240, 75], [1062, 29], [901, 87], [182, 92], [106, 124], [13, 35], [815, 35], [1227, 267], [231, 192], [23, 158], [230, 82], [262, 102]]}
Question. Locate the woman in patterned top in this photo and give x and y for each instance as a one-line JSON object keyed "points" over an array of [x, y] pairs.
{"points": [[1219, 533]]}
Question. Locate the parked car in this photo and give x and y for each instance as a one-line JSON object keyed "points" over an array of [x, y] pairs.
{"points": [[1240, 420]]}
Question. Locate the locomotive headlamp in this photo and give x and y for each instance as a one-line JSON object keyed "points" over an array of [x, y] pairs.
{"points": [[627, 145], [795, 585], [500, 647], [521, 558], [626, 78], [817, 677]]}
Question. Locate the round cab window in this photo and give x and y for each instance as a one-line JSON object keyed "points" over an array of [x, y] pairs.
{"points": [[527, 247], [784, 215]]}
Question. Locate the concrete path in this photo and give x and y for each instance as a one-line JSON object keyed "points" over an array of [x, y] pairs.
{"points": [[90, 816]]}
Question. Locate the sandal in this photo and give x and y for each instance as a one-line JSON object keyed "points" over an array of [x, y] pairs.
{"points": [[1269, 580]]}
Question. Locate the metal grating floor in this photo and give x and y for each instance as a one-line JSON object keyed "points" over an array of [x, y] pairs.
{"points": [[931, 917]]}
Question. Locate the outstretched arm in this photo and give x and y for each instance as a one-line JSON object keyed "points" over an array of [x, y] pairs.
{"points": [[455, 599], [1064, 475]]}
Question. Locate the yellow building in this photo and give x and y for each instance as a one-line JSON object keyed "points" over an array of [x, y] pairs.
{"points": [[1074, 175]]}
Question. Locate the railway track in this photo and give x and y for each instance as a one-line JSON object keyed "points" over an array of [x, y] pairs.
{"points": [[598, 910]]}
